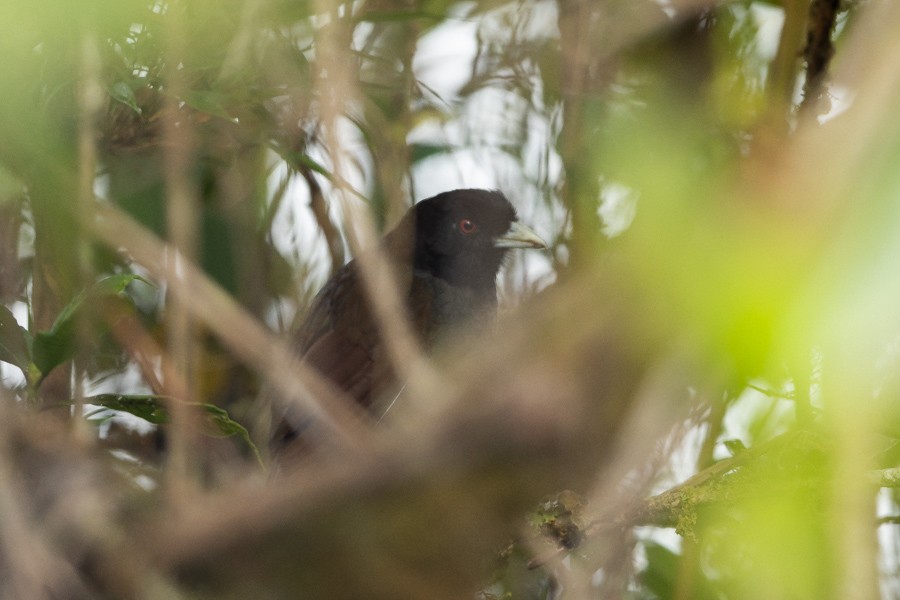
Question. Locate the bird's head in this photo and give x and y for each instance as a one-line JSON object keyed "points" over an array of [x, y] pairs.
{"points": [[461, 236]]}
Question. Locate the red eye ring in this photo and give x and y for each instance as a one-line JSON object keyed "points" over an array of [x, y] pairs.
{"points": [[467, 226]]}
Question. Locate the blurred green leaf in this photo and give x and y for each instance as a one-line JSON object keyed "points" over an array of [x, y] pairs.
{"points": [[661, 575], [304, 160], [735, 446], [219, 251], [122, 92], [152, 408], [664, 569], [418, 152], [148, 407], [224, 426], [210, 102], [57, 345]]}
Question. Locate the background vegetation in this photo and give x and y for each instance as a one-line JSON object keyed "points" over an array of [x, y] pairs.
{"points": [[692, 394]]}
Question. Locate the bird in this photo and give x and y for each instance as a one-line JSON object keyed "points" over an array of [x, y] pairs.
{"points": [[446, 251]]}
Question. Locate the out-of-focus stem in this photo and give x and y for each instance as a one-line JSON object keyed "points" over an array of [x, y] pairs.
{"points": [[337, 92], [181, 222], [90, 101]]}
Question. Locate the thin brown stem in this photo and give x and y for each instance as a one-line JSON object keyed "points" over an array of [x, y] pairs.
{"points": [[238, 331], [90, 101], [182, 225], [818, 51]]}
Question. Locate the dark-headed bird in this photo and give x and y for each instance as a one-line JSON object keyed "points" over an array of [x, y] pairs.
{"points": [[446, 252]]}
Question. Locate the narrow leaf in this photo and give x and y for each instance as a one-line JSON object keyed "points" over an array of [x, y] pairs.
{"points": [[122, 92], [148, 407], [57, 345], [419, 152], [152, 408]]}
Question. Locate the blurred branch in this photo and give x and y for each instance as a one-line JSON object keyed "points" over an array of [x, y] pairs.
{"points": [[319, 208], [236, 329], [145, 351], [818, 50], [578, 61], [387, 106], [669, 508], [438, 551], [784, 67], [182, 222], [90, 102], [338, 90]]}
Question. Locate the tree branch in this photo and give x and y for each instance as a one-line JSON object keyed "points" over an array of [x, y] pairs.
{"points": [[819, 49]]}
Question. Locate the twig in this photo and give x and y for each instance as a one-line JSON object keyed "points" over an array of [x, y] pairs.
{"points": [[240, 332], [336, 91], [90, 102], [818, 50], [319, 209], [783, 68], [182, 221]]}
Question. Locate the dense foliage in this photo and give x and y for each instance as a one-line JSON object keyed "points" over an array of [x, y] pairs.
{"points": [[691, 394]]}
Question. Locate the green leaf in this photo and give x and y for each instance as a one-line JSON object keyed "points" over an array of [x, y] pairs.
{"points": [[302, 159], [420, 152], [57, 345], [660, 577], [661, 574], [148, 407], [209, 102], [13, 341], [122, 92], [152, 408], [228, 427], [735, 446]]}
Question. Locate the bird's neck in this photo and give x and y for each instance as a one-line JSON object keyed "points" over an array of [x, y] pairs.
{"points": [[476, 272], [480, 285], [452, 309]]}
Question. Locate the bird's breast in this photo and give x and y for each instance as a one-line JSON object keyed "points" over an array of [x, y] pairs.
{"points": [[440, 309]]}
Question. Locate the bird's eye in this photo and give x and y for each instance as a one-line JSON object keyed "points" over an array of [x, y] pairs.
{"points": [[467, 226]]}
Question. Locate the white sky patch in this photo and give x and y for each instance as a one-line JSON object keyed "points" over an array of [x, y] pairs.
{"points": [[10, 375], [618, 205], [745, 413], [295, 232], [840, 99], [889, 547], [444, 56], [293, 228], [769, 21], [464, 168], [484, 140]]}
